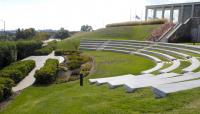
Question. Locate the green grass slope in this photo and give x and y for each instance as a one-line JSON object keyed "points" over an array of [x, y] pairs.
{"points": [[141, 32], [70, 98]]}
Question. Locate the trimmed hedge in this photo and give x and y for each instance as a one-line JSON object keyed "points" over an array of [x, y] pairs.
{"points": [[136, 23], [18, 70], [8, 53], [27, 48], [46, 49], [60, 52], [48, 73], [5, 88]]}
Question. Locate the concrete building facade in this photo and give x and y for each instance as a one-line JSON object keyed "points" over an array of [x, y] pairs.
{"points": [[177, 13]]}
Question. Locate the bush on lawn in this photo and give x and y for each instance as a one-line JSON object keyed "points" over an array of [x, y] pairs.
{"points": [[85, 68], [48, 73], [60, 52], [27, 48], [46, 49], [8, 53], [136, 23], [76, 60], [5, 88], [18, 70]]}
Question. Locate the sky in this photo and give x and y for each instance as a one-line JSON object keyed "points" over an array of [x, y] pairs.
{"points": [[71, 14]]}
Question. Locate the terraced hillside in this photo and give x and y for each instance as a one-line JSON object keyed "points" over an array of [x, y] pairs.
{"points": [[141, 33]]}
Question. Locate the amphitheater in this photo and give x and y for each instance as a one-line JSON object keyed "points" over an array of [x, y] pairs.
{"points": [[161, 78]]}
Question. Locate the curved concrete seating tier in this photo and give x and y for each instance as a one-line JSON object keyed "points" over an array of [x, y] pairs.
{"points": [[159, 63], [130, 46], [104, 80], [164, 89], [87, 48], [131, 86], [158, 54], [172, 52], [155, 59], [119, 47], [177, 49], [195, 64], [175, 65], [118, 82], [118, 51], [157, 67], [127, 43], [181, 45]]}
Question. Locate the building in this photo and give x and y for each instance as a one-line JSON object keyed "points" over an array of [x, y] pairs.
{"points": [[178, 12], [185, 15]]}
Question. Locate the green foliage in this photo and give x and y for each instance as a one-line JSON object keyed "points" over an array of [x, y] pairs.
{"points": [[75, 61], [25, 34], [136, 23], [62, 34], [27, 48], [85, 68], [48, 73], [18, 70], [41, 36], [86, 28], [46, 49], [8, 53], [5, 88], [60, 52]]}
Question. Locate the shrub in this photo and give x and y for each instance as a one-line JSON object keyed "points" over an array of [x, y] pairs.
{"points": [[5, 88], [157, 33], [46, 49], [8, 53], [136, 23], [48, 73], [27, 48], [60, 52], [18, 70]]}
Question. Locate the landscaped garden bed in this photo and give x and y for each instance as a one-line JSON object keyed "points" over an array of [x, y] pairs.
{"points": [[75, 63]]}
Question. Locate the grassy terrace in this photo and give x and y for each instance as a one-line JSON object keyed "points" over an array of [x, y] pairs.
{"points": [[141, 32], [70, 98]]}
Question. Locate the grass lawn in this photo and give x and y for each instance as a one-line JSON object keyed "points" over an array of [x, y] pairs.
{"points": [[116, 33], [70, 98]]}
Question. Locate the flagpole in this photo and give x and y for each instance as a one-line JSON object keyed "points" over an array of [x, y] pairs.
{"points": [[130, 14]]}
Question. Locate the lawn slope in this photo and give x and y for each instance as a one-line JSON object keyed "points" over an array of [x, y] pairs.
{"points": [[141, 32], [70, 98]]}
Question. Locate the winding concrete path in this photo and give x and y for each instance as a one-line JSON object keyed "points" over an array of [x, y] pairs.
{"points": [[30, 79]]}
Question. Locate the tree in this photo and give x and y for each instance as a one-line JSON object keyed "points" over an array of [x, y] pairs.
{"points": [[86, 28], [62, 33], [25, 34]]}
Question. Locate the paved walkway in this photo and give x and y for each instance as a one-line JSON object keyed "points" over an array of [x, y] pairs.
{"points": [[30, 79]]}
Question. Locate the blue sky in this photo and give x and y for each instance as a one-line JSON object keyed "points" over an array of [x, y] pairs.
{"points": [[71, 14]]}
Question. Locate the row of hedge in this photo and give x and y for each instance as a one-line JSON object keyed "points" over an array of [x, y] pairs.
{"points": [[8, 53], [135, 23], [48, 73], [12, 74], [18, 70], [60, 52], [27, 48], [12, 51], [46, 49]]}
